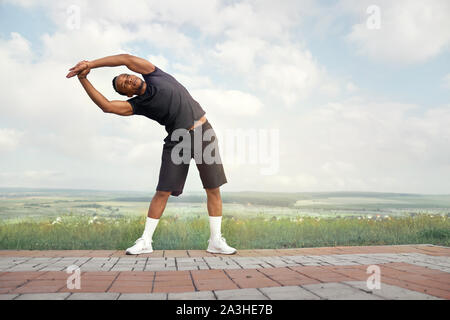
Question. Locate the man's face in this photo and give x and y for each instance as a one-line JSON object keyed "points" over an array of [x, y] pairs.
{"points": [[128, 84]]}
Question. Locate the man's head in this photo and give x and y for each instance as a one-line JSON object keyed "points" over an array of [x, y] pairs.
{"points": [[128, 85]]}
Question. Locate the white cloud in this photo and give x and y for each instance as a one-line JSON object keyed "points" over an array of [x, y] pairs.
{"points": [[412, 31], [17, 48], [286, 72], [230, 103], [9, 139], [363, 145]]}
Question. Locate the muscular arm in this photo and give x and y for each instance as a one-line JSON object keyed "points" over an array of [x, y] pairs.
{"points": [[122, 108], [133, 63]]}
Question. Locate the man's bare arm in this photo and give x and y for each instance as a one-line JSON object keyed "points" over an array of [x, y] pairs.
{"points": [[122, 108], [133, 63]]}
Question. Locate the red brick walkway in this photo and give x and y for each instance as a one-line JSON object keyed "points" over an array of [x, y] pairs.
{"points": [[432, 281]]}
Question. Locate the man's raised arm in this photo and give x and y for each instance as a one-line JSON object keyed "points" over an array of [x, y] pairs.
{"points": [[133, 63], [122, 108]]}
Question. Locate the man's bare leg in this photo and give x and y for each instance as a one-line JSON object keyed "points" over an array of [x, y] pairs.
{"points": [[155, 211], [214, 202], [158, 204]]}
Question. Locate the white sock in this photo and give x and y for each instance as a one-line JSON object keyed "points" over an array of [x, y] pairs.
{"points": [[214, 224], [150, 226]]}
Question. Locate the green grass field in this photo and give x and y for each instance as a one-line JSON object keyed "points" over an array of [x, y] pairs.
{"points": [[84, 219], [74, 232]]}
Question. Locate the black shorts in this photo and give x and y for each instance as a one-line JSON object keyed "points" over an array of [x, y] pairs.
{"points": [[172, 175]]}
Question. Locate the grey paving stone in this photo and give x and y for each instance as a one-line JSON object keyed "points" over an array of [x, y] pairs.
{"points": [[226, 267], [170, 269], [154, 260], [339, 291], [200, 295], [187, 264], [288, 293], [187, 268], [8, 296], [392, 292], [53, 268], [43, 296], [265, 265], [185, 260], [156, 264], [203, 267], [19, 269], [253, 266], [240, 294], [310, 263], [143, 296], [154, 268], [138, 268], [122, 268], [93, 296]]}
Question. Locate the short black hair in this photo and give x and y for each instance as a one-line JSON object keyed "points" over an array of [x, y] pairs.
{"points": [[115, 87]]}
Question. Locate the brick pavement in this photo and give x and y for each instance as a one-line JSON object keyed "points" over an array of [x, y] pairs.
{"points": [[406, 272]]}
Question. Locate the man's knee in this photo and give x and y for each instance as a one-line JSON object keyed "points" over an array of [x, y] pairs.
{"points": [[213, 192], [163, 194]]}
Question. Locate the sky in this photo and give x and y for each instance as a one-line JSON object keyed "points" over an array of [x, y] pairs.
{"points": [[347, 95]]}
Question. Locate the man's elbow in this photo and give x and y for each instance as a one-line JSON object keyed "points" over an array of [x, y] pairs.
{"points": [[126, 58], [106, 108]]}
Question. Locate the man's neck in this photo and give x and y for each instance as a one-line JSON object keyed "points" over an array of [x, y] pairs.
{"points": [[144, 87]]}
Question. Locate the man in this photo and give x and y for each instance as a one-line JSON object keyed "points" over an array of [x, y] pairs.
{"points": [[162, 98]]}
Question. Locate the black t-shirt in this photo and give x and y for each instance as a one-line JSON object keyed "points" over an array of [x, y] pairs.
{"points": [[166, 101]]}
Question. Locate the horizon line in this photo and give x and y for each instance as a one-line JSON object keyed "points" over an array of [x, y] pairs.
{"points": [[201, 191]]}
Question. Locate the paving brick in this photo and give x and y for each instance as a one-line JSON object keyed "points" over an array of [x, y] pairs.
{"points": [[173, 289], [215, 284], [339, 291], [94, 296], [200, 295], [287, 277], [37, 289], [11, 283], [199, 253], [8, 296], [133, 275], [244, 274], [208, 274], [392, 292], [288, 293], [322, 274], [176, 253], [256, 283], [143, 296], [240, 294], [131, 289], [43, 296]]}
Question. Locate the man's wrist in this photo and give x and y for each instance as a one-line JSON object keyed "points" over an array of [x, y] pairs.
{"points": [[91, 64]]}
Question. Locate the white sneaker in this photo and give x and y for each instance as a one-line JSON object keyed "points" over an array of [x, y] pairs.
{"points": [[219, 245], [140, 246]]}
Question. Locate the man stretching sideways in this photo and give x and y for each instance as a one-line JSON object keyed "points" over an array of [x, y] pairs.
{"points": [[160, 97]]}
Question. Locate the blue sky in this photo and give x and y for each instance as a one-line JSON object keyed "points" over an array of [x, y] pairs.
{"points": [[341, 96]]}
